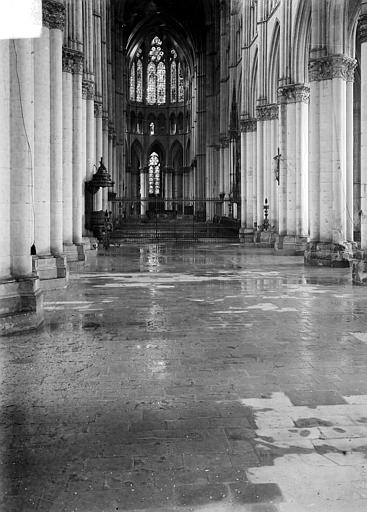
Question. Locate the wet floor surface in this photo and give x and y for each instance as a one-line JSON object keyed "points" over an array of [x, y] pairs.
{"points": [[189, 378]]}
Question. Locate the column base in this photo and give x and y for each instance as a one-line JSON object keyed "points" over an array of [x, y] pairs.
{"points": [[246, 235], [52, 271], [290, 245], [90, 245], [21, 305], [329, 254], [74, 252], [264, 239], [359, 268]]}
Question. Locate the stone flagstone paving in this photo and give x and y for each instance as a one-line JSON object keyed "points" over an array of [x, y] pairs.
{"points": [[207, 378]]}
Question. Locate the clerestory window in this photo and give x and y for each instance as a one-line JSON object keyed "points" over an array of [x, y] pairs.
{"points": [[155, 73]]}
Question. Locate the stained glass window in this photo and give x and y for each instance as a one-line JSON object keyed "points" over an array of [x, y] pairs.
{"points": [[132, 82], [173, 82], [149, 81], [139, 81], [152, 83], [181, 93], [154, 174], [156, 74], [161, 83]]}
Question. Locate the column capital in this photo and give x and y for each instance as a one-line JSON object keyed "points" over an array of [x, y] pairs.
{"points": [[332, 66], [363, 28], [104, 121], [72, 61], [53, 14], [294, 93], [67, 60], [78, 63], [97, 109], [248, 124], [111, 131], [88, 89], [267, 112], [224, 140]]}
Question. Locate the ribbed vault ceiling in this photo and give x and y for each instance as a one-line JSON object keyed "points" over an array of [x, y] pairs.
{"points": [[182, 20]]}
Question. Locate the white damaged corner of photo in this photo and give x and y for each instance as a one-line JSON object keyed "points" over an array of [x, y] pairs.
{"points": [[20, 19]]}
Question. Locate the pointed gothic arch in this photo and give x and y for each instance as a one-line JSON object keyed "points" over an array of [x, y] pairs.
{"points": [[273, 81], [302, 42], [253, 86]]}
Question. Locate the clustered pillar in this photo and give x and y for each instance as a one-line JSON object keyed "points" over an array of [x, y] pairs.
{"points": [[328, 179]]}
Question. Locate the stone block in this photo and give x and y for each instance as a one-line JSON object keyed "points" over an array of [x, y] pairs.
{"points": [[264, 239], [21, 305], [328, 254], [359, 268], [51, 270], [74, 252], [246, 236], [289, 245]]}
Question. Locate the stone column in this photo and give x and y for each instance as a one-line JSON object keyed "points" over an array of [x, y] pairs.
{"points": [[265, 115], [349, 163], [56, 24], [22, 154], [143, 190], [67, 148], [98, 196], [20, 296], [363, 39], [98, 110], [329, 141], [42, 173], [274, 145], [248, 214], [77, 148], [201, 128], [225, 178], [105, 158], [293, 100], [84, 156], [5, 259], [259, 170]]}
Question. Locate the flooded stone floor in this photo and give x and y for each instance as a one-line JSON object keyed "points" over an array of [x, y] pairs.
{"points": [[189, 378]]}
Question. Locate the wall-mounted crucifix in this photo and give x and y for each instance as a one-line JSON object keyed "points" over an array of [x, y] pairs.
{"points": [[277, 166]]}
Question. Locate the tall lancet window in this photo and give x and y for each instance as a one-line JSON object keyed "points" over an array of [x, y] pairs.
{"points": [[181, 91], [151, 83], [161, 83], [139, 81], [156, 74], [173, 77], [154, 175], [132, 82]]}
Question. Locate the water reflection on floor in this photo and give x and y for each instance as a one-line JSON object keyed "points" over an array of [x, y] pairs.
{"points": [[189, 377]]}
